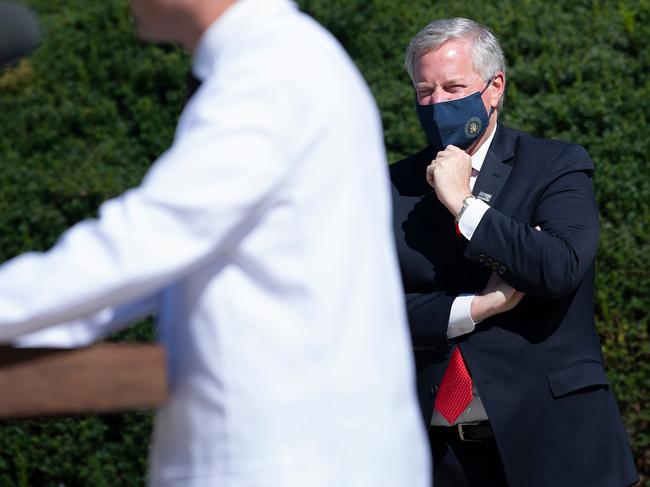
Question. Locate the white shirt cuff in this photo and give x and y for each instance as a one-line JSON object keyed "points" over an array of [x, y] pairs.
{"points": [[460, 318], [472, 217]]}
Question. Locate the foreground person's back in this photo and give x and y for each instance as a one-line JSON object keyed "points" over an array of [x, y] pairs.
{"points": [[262, 240], [297, 372]]}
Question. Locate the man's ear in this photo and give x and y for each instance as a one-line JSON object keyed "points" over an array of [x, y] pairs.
{"points": [[498, 87]]}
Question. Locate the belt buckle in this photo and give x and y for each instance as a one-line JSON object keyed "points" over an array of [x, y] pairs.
{"points": [[461, 434]]}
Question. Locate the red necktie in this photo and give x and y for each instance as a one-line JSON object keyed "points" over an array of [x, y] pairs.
{"points": [[459, 234], [455, 391]]}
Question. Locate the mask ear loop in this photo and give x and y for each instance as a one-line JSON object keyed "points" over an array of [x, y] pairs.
{"points": [[483, 91], [487, 84]]}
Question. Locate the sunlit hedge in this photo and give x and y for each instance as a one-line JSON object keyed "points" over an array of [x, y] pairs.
{"points": [[83, 118]]}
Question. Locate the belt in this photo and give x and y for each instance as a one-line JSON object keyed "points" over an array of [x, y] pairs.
{"points": [[478, 431]]}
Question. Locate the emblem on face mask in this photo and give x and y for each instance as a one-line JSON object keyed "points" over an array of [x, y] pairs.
{"points": [[473, 127]]}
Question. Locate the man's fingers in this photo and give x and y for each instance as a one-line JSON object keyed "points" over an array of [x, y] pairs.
{"points": [[449, 151], [430, 174]]}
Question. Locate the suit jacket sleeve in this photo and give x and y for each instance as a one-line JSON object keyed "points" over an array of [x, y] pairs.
{"points": [[549, 263], [428, 315]]}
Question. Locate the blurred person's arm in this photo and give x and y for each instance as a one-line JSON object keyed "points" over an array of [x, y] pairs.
{"points": [[198, 201], [84, 331]]}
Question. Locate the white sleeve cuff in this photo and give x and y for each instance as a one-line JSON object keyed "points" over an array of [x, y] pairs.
{"points": [[460, 318], [472, 217]]}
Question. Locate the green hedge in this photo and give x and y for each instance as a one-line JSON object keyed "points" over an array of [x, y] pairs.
{"points": [[83, 118]]}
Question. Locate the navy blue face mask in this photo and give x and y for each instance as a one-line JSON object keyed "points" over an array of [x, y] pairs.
{"points": [[457, 122]]}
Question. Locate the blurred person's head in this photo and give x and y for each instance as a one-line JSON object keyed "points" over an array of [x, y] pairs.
{"points": [[176, 21], [19, 33]]}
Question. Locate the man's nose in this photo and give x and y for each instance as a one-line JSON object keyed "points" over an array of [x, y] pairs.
{"points": [[439, 96]]}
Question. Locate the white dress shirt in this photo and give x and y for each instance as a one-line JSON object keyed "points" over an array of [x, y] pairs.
{"points": [[460, 318], [262, 240]]}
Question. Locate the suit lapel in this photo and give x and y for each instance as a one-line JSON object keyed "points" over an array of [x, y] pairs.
{"points": [[496, 168]]}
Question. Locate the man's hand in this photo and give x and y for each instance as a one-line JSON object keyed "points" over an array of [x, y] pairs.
{"points": [[497, 297], [449, 175]]}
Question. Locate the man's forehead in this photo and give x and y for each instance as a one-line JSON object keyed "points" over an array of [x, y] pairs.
{"points": [[451, 60], [453, 49]]}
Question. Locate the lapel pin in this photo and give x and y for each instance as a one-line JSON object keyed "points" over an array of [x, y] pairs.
{"points": [[484, 196]]}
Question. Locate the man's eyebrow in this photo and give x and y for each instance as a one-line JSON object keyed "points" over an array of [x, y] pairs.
{"points": [[455, 81], [452, 81]]}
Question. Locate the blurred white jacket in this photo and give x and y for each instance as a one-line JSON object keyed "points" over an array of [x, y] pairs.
{"points": [[262, 241]]}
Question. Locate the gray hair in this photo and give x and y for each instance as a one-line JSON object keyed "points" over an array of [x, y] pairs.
{"points": [[487, 55]]}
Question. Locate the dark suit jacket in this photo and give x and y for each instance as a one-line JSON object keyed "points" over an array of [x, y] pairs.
{"points": [[538, 368]]}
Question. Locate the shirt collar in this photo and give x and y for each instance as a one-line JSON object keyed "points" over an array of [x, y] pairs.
{"points": [[479, 156], [211, 42], [227, 29]]}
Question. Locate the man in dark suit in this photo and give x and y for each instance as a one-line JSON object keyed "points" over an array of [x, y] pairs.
{"points": [[497, 233]]}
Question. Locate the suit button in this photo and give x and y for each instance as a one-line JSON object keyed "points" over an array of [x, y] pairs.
{"points": [[496, 266], [481, 258], [488, 261], [502, 270], [433, 390]]}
